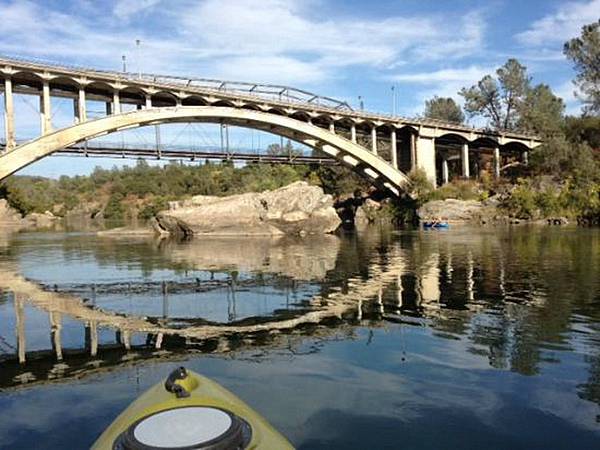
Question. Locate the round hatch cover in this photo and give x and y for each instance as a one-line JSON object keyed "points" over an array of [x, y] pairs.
{"points": [[192, 427]]}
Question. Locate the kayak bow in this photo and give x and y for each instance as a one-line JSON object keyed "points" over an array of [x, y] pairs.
{"points": [[189, 411]]}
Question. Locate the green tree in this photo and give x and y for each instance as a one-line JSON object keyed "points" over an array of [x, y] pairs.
{"points": [[499, 99], [584, 52], [444, 108], [287, 150], [541, 112]]}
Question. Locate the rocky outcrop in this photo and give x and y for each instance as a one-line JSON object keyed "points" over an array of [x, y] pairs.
{"points": [[42, 221], [296, 209], [457, 211], [367, 212], [9, 217]]}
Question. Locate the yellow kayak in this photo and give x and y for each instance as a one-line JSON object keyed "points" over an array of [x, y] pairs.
{"points": [[189, 411]]}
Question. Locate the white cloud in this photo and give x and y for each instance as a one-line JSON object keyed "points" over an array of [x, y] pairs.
{"points": [[443, 83], [124, 9], [565, 23], [467, 75], [276, 40]]}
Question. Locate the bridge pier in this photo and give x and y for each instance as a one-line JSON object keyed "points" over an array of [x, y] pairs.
{"points": [[45, 108], [374, 140], [116, 103], [425, 156], [81, 111], [353, 133], [496, 162], [394, 148], [445, 171], [9, 114], [464, 158]]}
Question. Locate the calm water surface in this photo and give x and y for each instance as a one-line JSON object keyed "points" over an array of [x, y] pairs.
{"points": [[470, 339]]}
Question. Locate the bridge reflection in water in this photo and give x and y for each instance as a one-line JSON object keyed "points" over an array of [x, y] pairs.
{"points": [[463, 287]]}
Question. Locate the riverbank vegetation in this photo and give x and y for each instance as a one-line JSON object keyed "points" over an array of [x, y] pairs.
{"points": [[563, 176]]}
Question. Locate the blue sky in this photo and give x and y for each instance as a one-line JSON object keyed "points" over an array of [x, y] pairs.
{"points": [[337, 48]]}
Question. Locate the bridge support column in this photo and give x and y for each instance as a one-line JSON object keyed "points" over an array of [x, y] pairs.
{"points": [[332, 127], [413, 152], [525, 158], [496, 162], [445, 172], [394, 147], [45, 110], [116, 103], [464, 157], [374, 140], [353, 133], [426, 157], [80, 111], [9, 115], [148, 102]]}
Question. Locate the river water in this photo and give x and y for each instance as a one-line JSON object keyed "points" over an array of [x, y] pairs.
{"points": [[466, 339]]}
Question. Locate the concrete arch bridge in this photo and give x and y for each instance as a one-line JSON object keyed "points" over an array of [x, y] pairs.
{"points": [[380, 147]]}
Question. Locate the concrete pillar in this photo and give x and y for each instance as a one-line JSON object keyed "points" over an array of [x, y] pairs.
{"points": [[45, 110], [353, 133], [425, 156], [9, 115], [525, 157], [81, 112], [374, 140], [496, 162], [464, 157], [332, 127], [445, 172], [413, 152], [116, 103], [394, 148], [178, 102], [148, 101]]}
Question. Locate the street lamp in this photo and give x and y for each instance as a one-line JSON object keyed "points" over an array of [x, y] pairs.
{"points": [[139, 57], [124, 59], [361, 103]]}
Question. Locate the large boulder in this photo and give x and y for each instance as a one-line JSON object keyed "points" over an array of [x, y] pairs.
{"points": [[295, 209]]}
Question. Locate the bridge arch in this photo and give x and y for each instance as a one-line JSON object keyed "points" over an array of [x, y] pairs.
{"points": [[358, 158]]}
